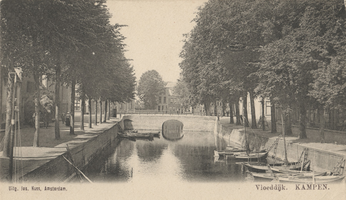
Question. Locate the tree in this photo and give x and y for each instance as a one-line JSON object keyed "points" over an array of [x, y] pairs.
{"points": [[149, 88], [219, 52], [57, 38], [309, 39], [183, 94], [23, 46]]}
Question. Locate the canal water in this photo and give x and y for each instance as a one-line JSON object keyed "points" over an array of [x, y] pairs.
{"points": [[190, 159]]}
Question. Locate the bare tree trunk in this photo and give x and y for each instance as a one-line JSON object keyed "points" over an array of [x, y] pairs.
{"points": [[73, 96], [223, 108], [57, 100], [302, 121], [109, 110], [82, 111], [90, 114], [245, 119], [37, 110], [215, 109], [273, 118], [13, 127], [253, 111], [106, 105], [322, 123], [7, 146], [262, 121], [231, 120], [95, 112], [237, 112], [1, 77], [288, 124], [206, 108], [100, 111], [283, 135]]}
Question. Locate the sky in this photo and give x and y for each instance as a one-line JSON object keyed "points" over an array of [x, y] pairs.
{"points": [[154, 32]]}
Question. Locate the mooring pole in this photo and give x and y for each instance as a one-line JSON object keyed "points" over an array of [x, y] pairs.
{"points": [[12, 127]]}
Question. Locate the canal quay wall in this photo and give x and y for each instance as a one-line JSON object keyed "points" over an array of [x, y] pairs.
{"points": [[323, 156], [192, 123], [85, 148], [82, 151]]}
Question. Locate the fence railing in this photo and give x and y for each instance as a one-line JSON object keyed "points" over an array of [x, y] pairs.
{"points": [[153, 112]]}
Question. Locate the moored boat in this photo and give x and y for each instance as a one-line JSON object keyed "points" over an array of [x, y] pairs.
{"points": [[252, 155], [228, 152], [263, 167], [313, 179], [304, 177], [301, 177], [291, 168]]}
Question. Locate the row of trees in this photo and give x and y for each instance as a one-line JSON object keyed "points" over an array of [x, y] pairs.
{"points": [[71, 42], [292, 52]]}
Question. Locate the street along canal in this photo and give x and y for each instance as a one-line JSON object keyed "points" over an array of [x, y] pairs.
{"points": [[190, 159]]}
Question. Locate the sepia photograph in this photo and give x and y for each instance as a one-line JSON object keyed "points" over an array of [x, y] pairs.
{"points": [[173, 99]]}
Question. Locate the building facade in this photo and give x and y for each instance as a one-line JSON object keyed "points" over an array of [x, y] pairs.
{"points": [[168, 102], [26, 89]]}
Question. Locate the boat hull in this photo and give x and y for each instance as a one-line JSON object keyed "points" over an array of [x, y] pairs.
{"points": [[306, 177], [263, 167]]}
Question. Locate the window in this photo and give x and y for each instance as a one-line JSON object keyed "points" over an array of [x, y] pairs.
{"points": [[159, 108], [160, 99], [164, 99]]}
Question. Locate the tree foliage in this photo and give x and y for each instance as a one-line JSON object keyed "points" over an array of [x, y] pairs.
{"points": [[292, 52], [150, 86], [69, 41], [182, 92]]}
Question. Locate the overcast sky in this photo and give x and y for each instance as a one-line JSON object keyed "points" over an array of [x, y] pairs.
{"points": [[155, 32]]}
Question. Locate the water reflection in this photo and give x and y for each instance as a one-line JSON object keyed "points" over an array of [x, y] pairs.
{"points": [[190, 159], [172, 130]]}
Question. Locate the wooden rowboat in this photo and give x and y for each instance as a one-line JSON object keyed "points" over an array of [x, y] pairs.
{"points": [[301, 177], [242, 154], [263, 167], [251, 156], [228, 152], [313, 179]]}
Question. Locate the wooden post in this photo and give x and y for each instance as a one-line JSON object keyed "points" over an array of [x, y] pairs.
{"points": [[13, 127]]}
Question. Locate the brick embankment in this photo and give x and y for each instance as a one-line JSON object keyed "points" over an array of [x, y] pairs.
{"points": [[323, 156], [47, 163]]}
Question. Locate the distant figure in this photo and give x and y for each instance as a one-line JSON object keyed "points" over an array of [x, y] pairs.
{"points": [[67, 119]]}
